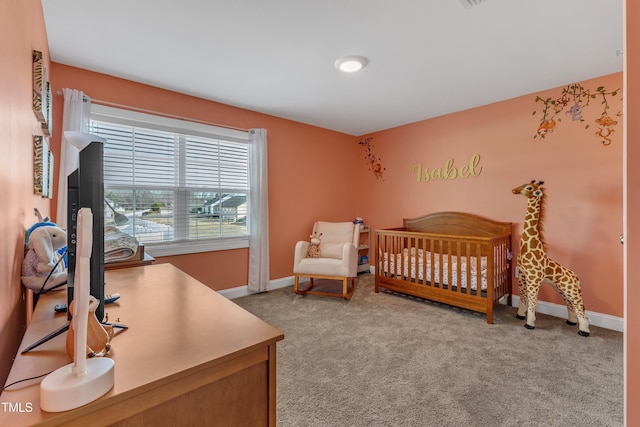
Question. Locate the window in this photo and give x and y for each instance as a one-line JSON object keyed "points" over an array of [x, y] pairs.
{"points": [[178, 187]]}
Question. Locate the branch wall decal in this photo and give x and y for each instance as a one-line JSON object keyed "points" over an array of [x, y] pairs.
{"points": [[574, 99], [374, 162]]}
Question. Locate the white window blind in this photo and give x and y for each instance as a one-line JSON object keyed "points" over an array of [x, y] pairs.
{"points": [[183, 186]]}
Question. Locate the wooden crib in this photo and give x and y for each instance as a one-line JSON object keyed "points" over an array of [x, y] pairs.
{"points": [[454, 258]]}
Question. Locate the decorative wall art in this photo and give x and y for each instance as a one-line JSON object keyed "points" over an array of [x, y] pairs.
{"points": [[46, 125], [374, 162], [449, 171], [574, 99], [38, 164], [49, 193], [41, 93], [42, 167]]}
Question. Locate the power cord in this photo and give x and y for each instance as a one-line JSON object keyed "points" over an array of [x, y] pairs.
{"points": [[42, 291], [26, 379]]}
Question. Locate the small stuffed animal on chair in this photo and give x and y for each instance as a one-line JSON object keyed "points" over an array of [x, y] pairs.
{"points": [[314, 246]]}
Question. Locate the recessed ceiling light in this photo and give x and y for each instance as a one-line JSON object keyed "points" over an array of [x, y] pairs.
{"points": [[351, 64]]}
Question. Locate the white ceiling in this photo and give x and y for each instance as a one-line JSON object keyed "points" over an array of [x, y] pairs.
{"points": [[426, 57]]}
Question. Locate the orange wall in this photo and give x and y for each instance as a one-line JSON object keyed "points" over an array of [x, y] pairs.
{"points": [[21, 30], [583, 182], [632, 232], [311, 170]]}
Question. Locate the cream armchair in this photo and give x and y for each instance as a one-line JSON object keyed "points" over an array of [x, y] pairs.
{"points": [[338, 258]]}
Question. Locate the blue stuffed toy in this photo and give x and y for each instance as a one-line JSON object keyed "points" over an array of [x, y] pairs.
{"points": [[43, 267]]}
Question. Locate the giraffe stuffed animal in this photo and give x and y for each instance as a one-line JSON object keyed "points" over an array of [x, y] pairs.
{"points": [[535, 267], [314, 246]]}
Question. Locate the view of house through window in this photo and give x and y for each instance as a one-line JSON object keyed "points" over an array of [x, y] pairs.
{"points": [[167, 187]]}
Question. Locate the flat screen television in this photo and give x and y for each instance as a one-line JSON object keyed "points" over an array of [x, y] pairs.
{"points": [[86, 190]]}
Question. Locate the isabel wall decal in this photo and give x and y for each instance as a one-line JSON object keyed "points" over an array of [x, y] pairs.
{"points": [[448, 171], [575, 98], [374, 162]]}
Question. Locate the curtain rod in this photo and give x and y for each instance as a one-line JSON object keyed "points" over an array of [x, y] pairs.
{"points": [[157, 113], [170, 116]]}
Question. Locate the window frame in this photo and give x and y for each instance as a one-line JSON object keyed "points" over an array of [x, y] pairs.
{"points": [[191, 128]]}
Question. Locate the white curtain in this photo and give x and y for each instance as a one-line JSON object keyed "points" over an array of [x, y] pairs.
{"points": [[258, 212], [75, 116]]}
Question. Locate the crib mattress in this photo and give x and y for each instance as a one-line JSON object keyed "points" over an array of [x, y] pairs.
{"points": [[391, 265]]}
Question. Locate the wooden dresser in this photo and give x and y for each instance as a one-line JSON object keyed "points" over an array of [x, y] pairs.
{"points": [[190, 357]]}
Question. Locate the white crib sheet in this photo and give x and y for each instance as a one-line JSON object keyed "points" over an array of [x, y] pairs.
{"points": [[444, 278]]}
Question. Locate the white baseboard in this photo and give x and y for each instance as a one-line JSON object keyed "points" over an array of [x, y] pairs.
{"points": [[596, 319], [243, 291]]}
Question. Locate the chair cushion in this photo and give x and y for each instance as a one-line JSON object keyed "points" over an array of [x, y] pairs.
{"points": [[331, 250], [335, 232], [323, 267]]}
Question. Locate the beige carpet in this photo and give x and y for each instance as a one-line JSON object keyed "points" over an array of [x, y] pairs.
{"points": [[390, 360]]}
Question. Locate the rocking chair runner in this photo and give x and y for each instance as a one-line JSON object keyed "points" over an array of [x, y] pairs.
{"points": [[338, 258]]}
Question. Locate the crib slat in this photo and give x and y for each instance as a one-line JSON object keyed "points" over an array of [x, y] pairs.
{"points": [[467, 255], [458, 271], [479, 270]]}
